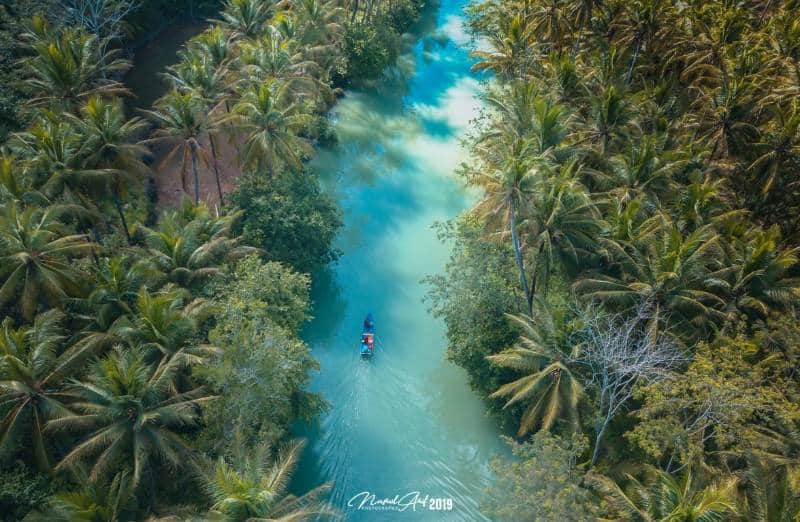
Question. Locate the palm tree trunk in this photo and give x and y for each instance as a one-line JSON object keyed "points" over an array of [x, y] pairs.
{"points": [[518, 257], [118, 204], [193, 150], [216, 169], [270, 167], [629, 76]]}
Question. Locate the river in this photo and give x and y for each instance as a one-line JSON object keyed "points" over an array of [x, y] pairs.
{"points": [[405, 421]]}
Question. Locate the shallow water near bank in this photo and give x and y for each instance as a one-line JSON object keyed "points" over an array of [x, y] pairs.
{"points": [[405, 421]]}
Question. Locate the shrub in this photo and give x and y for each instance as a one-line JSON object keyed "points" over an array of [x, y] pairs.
{"points": [[290, 218]]}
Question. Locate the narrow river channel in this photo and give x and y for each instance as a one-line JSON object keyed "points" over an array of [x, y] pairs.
{"points": [[405, 421]]}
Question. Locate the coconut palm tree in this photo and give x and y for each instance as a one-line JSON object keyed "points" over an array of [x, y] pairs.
{"points": [[108, 146], [116, 282], [165, 330], [271, 127], [507, 185], [768, 493], [724, 118], [320, 24], [663, 498], [644, 170], [127, 415], [777, 152], [15, 185], [246, 18], [757, 277], [510, 50], [55, 163], [549, 22], [273, 56], [549, 387], [92, 501], [665, 267], [187, 250], [196, 74], [183, 121], [561, 223], [216, 44], [646, 24], [35, 253], [33, 368], [610, 122], [68, 66], [254, 487]]}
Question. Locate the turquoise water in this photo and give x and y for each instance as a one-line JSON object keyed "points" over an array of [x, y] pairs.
{"points": [[405, 421]]}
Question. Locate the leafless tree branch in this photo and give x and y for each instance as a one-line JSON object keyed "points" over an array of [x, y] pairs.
{"points": [[622, 351]]}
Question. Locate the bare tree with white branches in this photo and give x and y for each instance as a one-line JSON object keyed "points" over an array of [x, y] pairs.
{"points": [[620, 352]]}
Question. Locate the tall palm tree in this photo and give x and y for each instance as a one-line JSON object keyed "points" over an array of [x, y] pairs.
{"points": [[68, 66], [320, 23], [33, 368], [165, 330], [510, 50], [644, 170], [561, 222], [197, 74], [663, 498], [216, 44], [246, 18], [186, 251], [548, 386], [183, 121], [109, 147], [776, 152], [666, 267], [724, 118], [128, 417], [611, 120], [273, 56], [507, 186], [756, 276], [550, 23], [55, 162], [93, 501], [254, 488], [35, 253], [271, 128], [768, 493]]}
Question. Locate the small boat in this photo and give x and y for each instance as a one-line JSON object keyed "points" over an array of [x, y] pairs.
{"points": [[368, 337]]}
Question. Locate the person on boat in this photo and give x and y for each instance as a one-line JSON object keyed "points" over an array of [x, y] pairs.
{"points": [[365, 349]]}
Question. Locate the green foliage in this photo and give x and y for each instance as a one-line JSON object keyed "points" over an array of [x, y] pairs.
{"points": [[108, 363], [729, 390], [263, 370], [257, 289], [541, 483], [479, 286], [21, 490], [664, 497], [543, 354], [370, 49], [254, 487], [289, 218], [644, 155]]}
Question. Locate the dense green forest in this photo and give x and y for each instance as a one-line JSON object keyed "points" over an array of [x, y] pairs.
{"points": [[625, 292], [150, 364]]}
